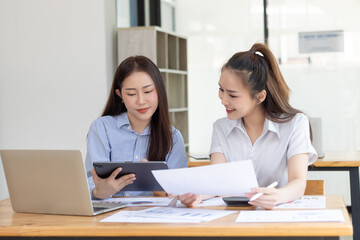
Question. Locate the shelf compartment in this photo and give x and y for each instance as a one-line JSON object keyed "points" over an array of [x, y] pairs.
{"points": [[182, 54], [177, 91], [180, 121], [161, 56], [173, 52], [131, 43]]}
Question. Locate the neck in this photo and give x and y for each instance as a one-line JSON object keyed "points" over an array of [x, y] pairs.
{"points": [[255, 120], [137, 125]]}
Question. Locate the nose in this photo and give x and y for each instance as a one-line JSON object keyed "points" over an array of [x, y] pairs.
{"points": [[224, 99], [140, 99]]}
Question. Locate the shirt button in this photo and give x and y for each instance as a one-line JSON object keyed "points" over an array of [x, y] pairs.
{"points": [[127, 194], [136, 157]]}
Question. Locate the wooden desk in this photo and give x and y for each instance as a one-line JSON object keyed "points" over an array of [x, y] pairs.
{"points": [[345, 161], [21, 225]]}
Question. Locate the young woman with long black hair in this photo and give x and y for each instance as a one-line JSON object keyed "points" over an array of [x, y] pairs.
{"points": [[135, 126]]}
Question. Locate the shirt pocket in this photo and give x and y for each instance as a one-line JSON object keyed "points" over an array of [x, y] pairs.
{"points": [[121, 155]]}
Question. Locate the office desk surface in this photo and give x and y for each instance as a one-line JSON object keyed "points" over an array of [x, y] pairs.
{"points": [[339, 159], [331, 159], [32, 225]]}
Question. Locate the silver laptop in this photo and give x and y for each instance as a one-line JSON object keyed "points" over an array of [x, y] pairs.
{"points": [[50, 181], [316, 126]]}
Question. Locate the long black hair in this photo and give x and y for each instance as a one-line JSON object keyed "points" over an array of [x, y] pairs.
{"points": [[161, 140]]}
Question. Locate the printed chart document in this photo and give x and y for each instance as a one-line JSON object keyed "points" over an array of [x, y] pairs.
{"points": [[134, 217], [159, 201], [305, 202], [331, 215], [168, 214], [226, 179]]}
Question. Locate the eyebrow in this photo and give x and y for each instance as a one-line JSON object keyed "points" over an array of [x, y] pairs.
{"points": [[231, 91], [142, 87]]}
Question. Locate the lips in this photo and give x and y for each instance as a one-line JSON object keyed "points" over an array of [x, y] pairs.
{"points": [[229, 110], [143, 110]]}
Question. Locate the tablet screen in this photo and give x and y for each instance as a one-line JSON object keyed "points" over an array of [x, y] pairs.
{"points": [[145, 180]]}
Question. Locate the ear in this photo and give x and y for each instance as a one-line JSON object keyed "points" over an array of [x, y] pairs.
{"points": [[261, 96], [117, 91]]}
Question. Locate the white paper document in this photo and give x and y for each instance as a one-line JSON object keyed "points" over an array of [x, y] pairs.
{"points": [[167, 214], [213, 202], [331, 215], [304, 202], [139, 201], [133, 217], [226, 179]]}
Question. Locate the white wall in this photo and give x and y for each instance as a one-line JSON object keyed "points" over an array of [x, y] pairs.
{"points": [[215, 31], [56, 60]]}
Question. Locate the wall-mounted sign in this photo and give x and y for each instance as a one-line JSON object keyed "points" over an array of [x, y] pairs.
{"points": [[325, 41]]}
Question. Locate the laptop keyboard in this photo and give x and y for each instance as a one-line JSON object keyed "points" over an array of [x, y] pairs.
{"points": [[96, 209]]}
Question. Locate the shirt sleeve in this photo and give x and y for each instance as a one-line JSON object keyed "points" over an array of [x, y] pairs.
{"points": [[177, 157], [215, 141], [98, 150], [300, 139]]}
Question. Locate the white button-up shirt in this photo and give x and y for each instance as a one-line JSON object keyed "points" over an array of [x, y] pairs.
{"points": [[271, 151]]}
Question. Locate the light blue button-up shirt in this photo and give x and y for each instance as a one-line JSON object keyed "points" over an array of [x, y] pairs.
{"points": [[111, 139]]}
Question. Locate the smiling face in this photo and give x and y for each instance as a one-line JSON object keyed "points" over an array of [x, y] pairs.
{"points": [[235, 96], [140, 97]]}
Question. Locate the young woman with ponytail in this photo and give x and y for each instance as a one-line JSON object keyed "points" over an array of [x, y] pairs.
{"points": [[262, 126], [135, 126]]}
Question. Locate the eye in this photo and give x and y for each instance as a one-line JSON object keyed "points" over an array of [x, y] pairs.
{"points": [[232, 96], [221, 90], [149, 91], [131, 94]]}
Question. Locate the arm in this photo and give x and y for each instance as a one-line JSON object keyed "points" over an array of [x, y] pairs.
{"points": [[297, 172], [98, 150], [299, 154], [217, 157]]}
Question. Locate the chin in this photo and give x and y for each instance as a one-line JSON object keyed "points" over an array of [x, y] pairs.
{"points": [[231, 117]]}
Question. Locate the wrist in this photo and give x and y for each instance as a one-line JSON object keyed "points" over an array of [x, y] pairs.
{"points": [[98, 195]]}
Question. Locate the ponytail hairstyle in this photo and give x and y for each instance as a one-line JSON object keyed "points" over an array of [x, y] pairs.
{"points": [[258, 70], [161, 140]]}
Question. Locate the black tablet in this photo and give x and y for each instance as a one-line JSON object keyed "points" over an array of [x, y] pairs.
{"points": [[236, 201], [145, 180]]}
